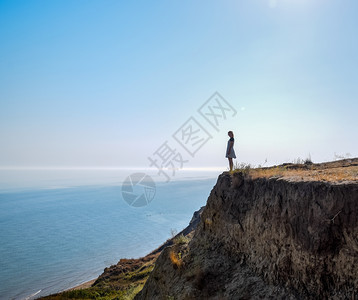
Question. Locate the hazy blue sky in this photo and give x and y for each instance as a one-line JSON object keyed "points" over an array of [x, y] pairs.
{"points": [[106, 83]]}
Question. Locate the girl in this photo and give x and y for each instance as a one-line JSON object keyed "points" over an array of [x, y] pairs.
{"points": [[230, 153]]}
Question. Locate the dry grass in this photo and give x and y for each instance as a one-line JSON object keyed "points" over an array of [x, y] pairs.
{"points": [[334, 175], [175, 259], [267, 172], [304, 172]]}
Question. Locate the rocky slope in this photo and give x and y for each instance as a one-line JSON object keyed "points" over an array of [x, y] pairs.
{"points": [[288, 232]]}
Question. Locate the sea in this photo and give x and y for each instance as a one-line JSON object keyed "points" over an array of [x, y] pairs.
{"points": [[61, 227]]}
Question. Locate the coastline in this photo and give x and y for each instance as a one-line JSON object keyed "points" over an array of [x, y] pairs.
{"points": [[128, 276], [81, 286]]}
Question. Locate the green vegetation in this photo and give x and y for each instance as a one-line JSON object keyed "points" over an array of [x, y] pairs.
{"points": [[92, 293], [99, 293], [121, 286]]}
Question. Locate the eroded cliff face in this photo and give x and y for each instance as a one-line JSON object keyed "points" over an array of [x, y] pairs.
{"points": [[266, 238]]}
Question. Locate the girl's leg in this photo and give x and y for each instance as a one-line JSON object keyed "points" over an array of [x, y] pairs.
{"points": [[230, 163]]}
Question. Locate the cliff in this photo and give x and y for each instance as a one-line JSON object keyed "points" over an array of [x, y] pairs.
{"points": [[286, 232]]}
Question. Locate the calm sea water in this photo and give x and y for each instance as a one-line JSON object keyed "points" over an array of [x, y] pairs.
{"points": [[59, 229]]}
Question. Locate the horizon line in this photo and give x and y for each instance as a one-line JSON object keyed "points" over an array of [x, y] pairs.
{"points": [[103, 168]]}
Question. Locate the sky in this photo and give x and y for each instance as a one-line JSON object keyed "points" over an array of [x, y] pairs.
{"points": [[108, 84]]}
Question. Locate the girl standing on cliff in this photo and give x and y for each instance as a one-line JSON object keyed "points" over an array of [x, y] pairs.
{"points": [[230, 153]]}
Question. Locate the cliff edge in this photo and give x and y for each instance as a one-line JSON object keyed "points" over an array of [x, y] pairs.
{"points": [[285, 232]]}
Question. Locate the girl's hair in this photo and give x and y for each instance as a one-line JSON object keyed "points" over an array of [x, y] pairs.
{"points": [[230, 132]]}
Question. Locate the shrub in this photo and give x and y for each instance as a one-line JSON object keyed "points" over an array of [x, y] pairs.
{"points": [[243, 168], [181, 239]]}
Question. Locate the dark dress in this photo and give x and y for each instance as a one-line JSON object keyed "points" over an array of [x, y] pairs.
{"points": [[232, 152]]}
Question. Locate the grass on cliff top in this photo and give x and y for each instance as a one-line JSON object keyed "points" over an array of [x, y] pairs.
{"points": [[305, 170]]}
